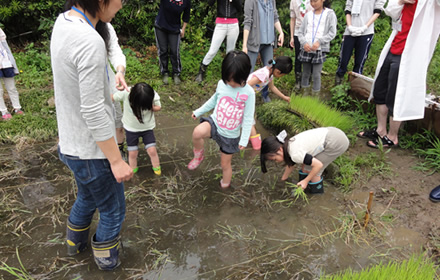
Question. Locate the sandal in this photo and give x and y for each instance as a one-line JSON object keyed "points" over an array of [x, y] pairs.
{"points": [[386, 142], [368, 134]]}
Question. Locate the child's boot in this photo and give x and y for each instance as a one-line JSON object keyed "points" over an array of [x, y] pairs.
{"points": [[157, 170], [198, 158], [106, 254], [256, 141], [302, 175], [317, 187], [76, 238]]}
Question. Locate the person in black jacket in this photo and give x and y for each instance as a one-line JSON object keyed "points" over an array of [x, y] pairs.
{"points": [[169, 31], [226, 26]]}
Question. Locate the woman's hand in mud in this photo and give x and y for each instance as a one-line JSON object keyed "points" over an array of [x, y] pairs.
{"points": [[303, 184], [121, 170], [193, 116]]}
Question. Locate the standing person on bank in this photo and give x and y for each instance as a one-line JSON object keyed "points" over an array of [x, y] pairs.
{"points": [[169, 31], [260, 21], [316, 32], [226, 26], [298, 9], [86, 129], [399, 87], [8, 69], [358, 36]]}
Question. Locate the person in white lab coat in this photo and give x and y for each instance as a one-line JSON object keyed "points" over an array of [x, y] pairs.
{"points": [[400, 81]]}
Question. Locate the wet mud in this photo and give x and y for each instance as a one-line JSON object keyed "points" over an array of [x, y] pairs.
{"points": [[181, 225]]}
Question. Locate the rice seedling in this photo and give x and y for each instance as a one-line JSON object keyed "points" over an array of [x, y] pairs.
{"points": [[275, 115], [415, 268], [316, 111], [19, 273], [298, 192]]}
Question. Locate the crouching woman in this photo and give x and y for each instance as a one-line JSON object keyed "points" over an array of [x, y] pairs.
{"points": [[315, 149]]}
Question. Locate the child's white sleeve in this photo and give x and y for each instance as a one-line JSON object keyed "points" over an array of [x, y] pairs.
{"points": [[156, 100]]}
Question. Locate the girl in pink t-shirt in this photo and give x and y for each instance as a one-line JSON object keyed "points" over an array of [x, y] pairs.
{"points": [[264, 76]]}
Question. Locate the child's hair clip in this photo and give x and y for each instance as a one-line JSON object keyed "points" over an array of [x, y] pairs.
{"points": [[274, 62], [282, 136]]}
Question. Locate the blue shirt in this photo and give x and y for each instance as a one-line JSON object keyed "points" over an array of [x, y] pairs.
{"points": [[266, 13]]}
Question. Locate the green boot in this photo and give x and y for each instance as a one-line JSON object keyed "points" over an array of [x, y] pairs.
{"points": [[77, 238], [106, 254]]}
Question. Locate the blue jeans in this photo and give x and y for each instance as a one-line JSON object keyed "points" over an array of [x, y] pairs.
{"points": [[97, 189], [266, 53]]}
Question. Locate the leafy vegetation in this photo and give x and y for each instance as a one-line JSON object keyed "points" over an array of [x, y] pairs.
{"points": [[416, 268]]}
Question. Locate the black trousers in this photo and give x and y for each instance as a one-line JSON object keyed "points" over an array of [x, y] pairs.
{"points": [[361, 46], [168, 45]]}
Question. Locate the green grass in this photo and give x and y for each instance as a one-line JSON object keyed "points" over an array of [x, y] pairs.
{"points": [[416, 268], [316, 111]]}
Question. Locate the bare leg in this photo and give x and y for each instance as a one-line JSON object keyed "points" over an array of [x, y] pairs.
{"points": [[382, 117], [154, 157], [225, 162], [132, 158], [253, 131], [394, 130], [201, 132]]}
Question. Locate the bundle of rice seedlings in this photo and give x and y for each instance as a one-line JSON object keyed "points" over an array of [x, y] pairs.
{"points": [[319, 113], [274, 115]]}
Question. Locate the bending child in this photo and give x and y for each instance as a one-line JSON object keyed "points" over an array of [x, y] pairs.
{"points": [[264, 76], [315, 149], [234, 106], [138, 120], [316, 32]]}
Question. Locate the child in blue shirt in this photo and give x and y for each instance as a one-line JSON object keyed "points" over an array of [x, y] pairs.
{"points": [[234, 106]]}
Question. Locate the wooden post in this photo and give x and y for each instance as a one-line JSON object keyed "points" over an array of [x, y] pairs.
{"points": [[367, 215]]}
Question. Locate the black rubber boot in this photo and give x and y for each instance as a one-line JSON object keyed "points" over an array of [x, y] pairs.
{"points": [[106, 254], [76, 238], [298, 80], [317, 187], [201, 74], [301, 175]]}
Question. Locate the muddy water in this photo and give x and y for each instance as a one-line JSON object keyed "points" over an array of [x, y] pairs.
{"points": [[182, 226]]}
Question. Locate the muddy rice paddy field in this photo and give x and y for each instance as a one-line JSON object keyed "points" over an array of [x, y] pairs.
{"points": [[182, 226]]}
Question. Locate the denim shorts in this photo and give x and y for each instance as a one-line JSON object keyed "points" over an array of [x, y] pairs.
{"points": [[148, 139], [228, 146], [7, 73]]}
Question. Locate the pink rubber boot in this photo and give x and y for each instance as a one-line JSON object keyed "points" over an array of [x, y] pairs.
{"points": [[256, 141], [198, 158]]}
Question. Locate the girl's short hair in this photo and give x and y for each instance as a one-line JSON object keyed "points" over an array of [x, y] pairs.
{"points": [[270, 146], [236, 66], [141, 99], [282, 63]]}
